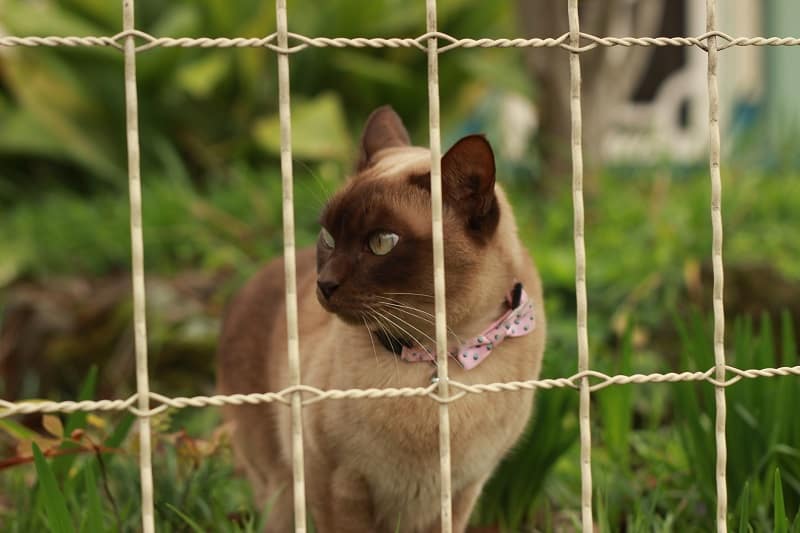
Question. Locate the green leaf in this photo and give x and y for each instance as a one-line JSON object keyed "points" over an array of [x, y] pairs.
{"points": [[781, 524], [44, 18], [61, 103], [363, 67], [616, 406], [16, 430], [199, 78], [121, 431], [20, 132], [179, 20], [189, 522], [110, 13], [744, 509], [55, 505], [497, 70], [319, 130], [94, 512], [77, 419]]}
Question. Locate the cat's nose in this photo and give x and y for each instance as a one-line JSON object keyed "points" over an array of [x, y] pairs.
{"points": [[327, 288]]}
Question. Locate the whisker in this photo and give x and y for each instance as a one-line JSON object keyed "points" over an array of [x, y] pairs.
{"points": [[369, 334], [410, 294], [386, 332], [320, 183], [418, 313], [409, 324], [398, 326]]}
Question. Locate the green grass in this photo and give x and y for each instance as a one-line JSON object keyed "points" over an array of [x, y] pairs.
{"points": [[653, 445], [237, 221], [648, 476]]}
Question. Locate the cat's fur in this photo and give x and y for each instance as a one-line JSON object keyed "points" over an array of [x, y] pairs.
{"points": [[372, 464]]}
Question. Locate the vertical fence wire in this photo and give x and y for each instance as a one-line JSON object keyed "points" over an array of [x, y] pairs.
{"points": [[438, 270], [143, 397], [716, 257], [289, 262], [137, 267], [580, 267]]}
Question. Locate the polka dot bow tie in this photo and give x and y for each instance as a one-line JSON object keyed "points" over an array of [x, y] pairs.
{"points": [[516, 322]]}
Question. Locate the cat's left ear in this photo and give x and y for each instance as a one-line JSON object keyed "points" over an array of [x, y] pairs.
{"points": [[468, 176], [384, 129]]}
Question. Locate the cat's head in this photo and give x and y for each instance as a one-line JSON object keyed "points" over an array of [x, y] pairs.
{"points": [[374, 252]]}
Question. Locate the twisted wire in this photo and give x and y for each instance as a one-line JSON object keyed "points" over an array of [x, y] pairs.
{"points": [[312, 395], [145, 403], [298, 42]]}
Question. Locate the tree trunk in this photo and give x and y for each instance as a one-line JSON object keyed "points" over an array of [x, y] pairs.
{"points": [[609, 74]]}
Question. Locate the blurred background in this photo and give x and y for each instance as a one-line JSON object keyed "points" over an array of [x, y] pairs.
{"points": [[212, 216]]}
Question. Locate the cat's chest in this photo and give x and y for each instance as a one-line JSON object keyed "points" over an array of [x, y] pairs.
{"points": [[398, 437]]}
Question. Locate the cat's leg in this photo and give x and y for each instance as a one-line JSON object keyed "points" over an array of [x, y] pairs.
{"points": [[342, 504], [254, 446], [463, 502], [279, 503]]}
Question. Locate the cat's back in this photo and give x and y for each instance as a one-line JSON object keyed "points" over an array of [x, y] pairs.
{"points": [[254, 318]]}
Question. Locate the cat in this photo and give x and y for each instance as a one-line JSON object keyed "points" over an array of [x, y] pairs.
{"points": [[365, 309]]}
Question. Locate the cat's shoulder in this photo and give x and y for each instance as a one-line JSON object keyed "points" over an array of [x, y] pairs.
{"points": [[265, 289]]}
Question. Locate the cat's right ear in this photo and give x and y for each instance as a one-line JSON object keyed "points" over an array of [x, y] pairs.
{"points": [[384, 129]]}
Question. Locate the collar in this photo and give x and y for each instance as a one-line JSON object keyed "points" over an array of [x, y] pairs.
{"points": [[515, 322]]}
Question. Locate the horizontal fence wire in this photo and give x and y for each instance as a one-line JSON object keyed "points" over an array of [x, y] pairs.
{"points": [[313, 394], [299, 42]]}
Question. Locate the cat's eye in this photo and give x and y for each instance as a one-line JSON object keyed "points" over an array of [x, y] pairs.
{"points": [[382, 242], [327, 238]]}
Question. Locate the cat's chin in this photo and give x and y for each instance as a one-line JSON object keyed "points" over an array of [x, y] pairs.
{"points": [[350, 319], [353, 318]]}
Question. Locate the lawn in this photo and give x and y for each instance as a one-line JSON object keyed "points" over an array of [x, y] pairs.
{"points": [[648, 244]]}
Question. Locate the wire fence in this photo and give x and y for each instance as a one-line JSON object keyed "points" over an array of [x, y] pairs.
{"points": [[145, 403]]}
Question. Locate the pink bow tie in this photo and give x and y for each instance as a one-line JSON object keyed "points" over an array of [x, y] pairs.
{"points": [[515, 322]]}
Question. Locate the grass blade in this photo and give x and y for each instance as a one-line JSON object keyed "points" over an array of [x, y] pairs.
{"points": [[781, 524], [121, 431], [189, 522], [744, 509], [16, 430], [75, 420], [58, 519], [94, 512]]}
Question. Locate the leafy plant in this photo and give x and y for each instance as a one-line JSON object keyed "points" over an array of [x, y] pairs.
{"points": [[62, 109], [512, 495], [763, 439], [58, 519]]}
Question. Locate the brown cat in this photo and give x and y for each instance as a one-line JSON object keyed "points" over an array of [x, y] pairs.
{"points": [[366, 314]]}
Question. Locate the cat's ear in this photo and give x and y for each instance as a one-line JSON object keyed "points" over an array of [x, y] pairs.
{"points": [[384, 129], [468, 175]]}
